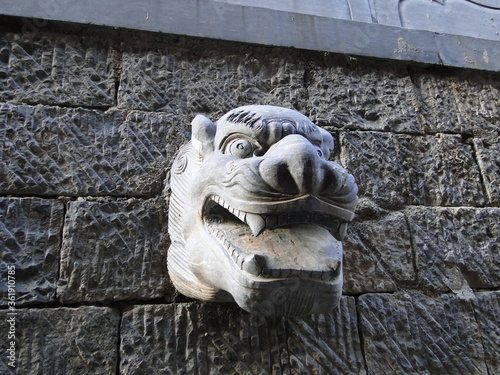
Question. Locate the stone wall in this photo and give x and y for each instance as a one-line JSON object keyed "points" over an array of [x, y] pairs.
{"points": [[90, 119]]}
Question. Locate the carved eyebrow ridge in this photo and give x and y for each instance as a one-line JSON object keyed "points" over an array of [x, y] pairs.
{"points": [[246, 118]]}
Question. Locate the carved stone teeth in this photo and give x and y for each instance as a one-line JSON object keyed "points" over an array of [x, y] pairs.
{"points": [[254, 264], [334, 264], [256, 223]]}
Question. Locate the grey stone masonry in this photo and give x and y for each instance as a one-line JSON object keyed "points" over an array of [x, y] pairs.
{"points": [[378, 255], [62, 340], [223, 339], [486, 308], [30, 239], [488, 156], [396, 170], [79, 152], [112, 250], [91, 118], [355, 95], [213, 82], [456, 248], [415, 334], [47, 69]]}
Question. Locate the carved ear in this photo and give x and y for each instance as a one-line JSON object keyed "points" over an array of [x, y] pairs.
{"points": [[203, 133]]}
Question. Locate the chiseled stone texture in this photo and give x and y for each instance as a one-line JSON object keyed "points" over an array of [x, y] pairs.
{"points": [[378, 255], [49, 69], [63, 340], [214, 82], [223, 339], [30, 240], [416, 334], [456, 248], [465, 103], [360, 96], [326, 343], [79, 152], [487, 308], [112, 250], [396, 170], [488, 156]]}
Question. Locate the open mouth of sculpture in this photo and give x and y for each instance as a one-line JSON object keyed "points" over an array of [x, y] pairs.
{"points": [[290, 243]]}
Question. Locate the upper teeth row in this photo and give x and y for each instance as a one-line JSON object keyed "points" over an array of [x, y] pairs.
{"points": [[259, 222]]}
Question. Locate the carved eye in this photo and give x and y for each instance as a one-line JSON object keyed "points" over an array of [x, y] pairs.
{"points": [[239, 148]]}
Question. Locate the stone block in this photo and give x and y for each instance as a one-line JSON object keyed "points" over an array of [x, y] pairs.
{"points": [[75, 152], [112, 250], [326, 343], [465, 103], [396, 169], [488, 157], [62, 340], [486, 307], [457, 248], [416, 334], [200, 339], [224, 339], [378, 255], [56, 70], [184, 83], [30, 240], [364, 97]]}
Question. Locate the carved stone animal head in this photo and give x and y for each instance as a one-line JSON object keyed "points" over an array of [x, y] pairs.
{"points": [[257, 213]]}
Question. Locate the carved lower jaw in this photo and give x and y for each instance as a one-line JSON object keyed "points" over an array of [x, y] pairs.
{"points": [[312, 253]]}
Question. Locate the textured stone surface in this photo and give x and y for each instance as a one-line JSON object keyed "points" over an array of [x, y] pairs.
{"points": [[456, 247], [200, 339], [488, 156], [51, 150], [185, 83], [364, 97], [415, 334], [49, 69], [223, 339], [326, 343], [30, 240], [487, 307], [378, 255], [467, 103], [63, 340], [395, 169], [112, 251]]}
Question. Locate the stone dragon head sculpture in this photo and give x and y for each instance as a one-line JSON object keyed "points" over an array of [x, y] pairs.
{"points": [[257, 213]]}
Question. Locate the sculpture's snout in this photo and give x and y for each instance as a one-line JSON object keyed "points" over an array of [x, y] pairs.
{"points": [[294, 166]]}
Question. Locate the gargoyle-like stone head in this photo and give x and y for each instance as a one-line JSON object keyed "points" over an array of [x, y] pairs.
{"points": [[257, 213]]}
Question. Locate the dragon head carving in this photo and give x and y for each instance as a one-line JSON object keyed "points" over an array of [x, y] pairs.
{"points": [[257, 213]]}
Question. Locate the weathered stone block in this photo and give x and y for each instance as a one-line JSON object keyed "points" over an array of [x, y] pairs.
{"points": [[112, 250], [488, 156], [456, 248], [416, 334], [395, 169], [326, 343], [58, 151], [466, 103], [200, 339], [223, 339], [486, 307], [364, 97], [30, 240], [56, 70], [183, 83], [378, 255], [63, 340]]}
